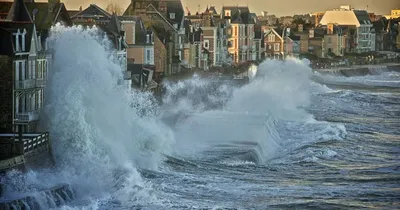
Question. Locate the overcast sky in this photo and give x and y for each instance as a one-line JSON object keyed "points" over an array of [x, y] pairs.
{"points": [[277, 7]]}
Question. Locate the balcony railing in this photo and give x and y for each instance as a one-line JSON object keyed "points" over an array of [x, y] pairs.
{"points": [[244, 47], [127, 75], [26, 117], [29, 83]]}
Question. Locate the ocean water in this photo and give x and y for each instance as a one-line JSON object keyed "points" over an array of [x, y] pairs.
{"points": [[284, 141]]}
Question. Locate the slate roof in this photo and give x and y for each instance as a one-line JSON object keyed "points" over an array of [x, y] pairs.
{"points": [[295, 38], [19, 12], [43, 19], [11, 27], [93, 11], [239, 14], [172, 6], [362, 16]]}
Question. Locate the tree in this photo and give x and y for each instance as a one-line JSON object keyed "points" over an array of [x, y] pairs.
{"points": [[112, 7]]}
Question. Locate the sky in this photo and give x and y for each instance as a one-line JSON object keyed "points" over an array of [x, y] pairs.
{"points": [[277, 7]]}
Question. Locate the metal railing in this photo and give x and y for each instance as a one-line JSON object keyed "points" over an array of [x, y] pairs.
{"points": [[31, 144], [29, 83], [25, 117]]}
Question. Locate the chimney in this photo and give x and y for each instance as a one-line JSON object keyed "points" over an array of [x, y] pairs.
{"points": [[80, 9], [329, 28], [300, 27]]}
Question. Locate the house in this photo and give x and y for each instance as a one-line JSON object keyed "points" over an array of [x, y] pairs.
{"points": [[258, 42], [273, 43], [214, 35], [358, 25], [111, 25], [43, 14], [24, 71], [386, 34], [92, 15], [394, 13], [240, 33], [295, 45], [167, 21], [140, 40], [334, 41], [116, 35]]}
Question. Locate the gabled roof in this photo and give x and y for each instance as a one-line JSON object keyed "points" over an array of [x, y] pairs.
{"points": [[175, 6], [272, 31], [239, 14], [19, 12], [362, 17], [13, 26], [44, 17], [172, 6], [93, 10]]}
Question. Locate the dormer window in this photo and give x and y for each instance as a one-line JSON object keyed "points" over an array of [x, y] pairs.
{"points": [[175, 25], [172, 16], [147, 38], [227, 13], [40, 43], [120, 43], [23, 40], [17, 49]]}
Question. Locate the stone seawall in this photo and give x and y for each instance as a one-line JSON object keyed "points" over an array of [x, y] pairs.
{"points": [[46, 199], [360, 70]]}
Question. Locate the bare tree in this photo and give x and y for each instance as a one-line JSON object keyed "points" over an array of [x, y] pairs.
{"points": [[113, 7]]}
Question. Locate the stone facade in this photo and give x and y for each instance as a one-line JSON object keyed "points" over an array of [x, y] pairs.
{"points": [[6, 93], [160, 59]]}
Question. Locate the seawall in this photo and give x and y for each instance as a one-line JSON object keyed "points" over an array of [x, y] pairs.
{"points": [[45, 199], [361, 70]]}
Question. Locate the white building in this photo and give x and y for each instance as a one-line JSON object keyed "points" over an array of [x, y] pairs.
{"points": [[345, 17]]}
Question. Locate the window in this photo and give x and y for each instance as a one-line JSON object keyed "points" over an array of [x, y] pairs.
{"points": [[276, 47], [206, 44], [329, 40], [245, 42], [148, 56], [172, 16], [236, 44], [236, 29], [176, 25], [271, 38], [270, 46]]}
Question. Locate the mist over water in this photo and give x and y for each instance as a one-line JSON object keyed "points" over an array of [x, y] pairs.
{"points": [[208, 144]]}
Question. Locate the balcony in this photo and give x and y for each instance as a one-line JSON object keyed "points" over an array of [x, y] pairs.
{"points": [[30, 83], [26, 117], [179, 46], [40, 82], [127, 75]]}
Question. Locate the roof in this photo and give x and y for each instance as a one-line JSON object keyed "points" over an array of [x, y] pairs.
{"points": [[239, 14], [346, 17], [43, 19], [93, 11], [172, 6], [271, 30], [19, 12], [295, 38], [8, 27], [362, 17]]}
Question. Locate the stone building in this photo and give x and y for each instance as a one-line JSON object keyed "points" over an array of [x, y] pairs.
{"points": [[24, 66]]}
